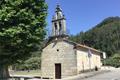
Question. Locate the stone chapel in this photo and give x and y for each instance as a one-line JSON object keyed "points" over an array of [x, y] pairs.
{"points": [[61, 57]]}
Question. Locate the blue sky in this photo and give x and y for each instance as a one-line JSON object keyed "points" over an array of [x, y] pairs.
{"points": [[82, 15]]}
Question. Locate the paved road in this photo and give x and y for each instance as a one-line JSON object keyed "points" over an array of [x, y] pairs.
{"points": [[113, 75]]}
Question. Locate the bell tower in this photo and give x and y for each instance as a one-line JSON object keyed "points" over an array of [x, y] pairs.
{"points": [[58, 23]]}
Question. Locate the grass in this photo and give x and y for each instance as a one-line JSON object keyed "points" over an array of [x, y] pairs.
{"points": [[27, 73]]}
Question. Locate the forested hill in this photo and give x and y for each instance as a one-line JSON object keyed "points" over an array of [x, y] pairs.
{"points": [[105, 36]]}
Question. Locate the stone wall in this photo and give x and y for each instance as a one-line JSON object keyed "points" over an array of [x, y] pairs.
{"points": [[59, 52]]}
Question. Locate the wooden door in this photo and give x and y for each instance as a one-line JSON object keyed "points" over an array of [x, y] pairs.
{"points": [[58, 71]]}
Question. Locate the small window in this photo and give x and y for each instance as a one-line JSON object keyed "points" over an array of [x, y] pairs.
{"points": [[57, 50]]}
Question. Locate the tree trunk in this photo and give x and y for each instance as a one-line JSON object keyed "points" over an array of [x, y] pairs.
{"points": [[4, 73]]}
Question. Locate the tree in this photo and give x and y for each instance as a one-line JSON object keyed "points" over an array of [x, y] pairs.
{"points": [[113, 61], [22, 28], [77, 38], [105, 36], [32, 63]]}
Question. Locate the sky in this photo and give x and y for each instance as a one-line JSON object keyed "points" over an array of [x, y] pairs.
{"points": [[82, 15]]}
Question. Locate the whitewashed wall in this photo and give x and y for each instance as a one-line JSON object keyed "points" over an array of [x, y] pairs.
{"points": [[85, 63]]}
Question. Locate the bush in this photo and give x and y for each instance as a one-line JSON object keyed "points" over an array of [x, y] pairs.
{"points": [[113, 61], [30, 64]]}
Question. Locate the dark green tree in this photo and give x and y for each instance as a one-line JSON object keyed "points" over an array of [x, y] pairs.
{"points": [[105, 36], [22, 29], [77, 38]]}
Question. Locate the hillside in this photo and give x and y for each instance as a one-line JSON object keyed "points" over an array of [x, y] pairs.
{"points": [[105, 36]]}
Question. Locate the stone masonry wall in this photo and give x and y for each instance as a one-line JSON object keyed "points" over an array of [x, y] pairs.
{"points": [[59, 52]]}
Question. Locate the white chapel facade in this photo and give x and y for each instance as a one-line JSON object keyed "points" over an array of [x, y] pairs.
{"points": [[63, 58]]}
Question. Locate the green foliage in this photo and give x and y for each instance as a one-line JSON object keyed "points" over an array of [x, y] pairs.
{"points": [[104, 36], [32, 63], [22, 28], [113, 61], [77, 38]]}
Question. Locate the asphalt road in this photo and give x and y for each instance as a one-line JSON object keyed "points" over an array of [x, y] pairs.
{"points": [[113, 75]]}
